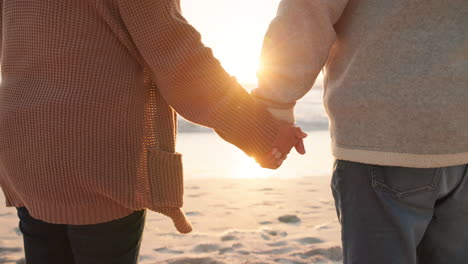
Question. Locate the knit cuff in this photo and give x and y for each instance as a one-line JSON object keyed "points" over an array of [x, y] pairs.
{"points": [[270, 103], [248, 125], [283, 114]]}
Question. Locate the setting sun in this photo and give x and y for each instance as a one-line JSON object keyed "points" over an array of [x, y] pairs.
{"points": [[243, 67], [234, 30]]}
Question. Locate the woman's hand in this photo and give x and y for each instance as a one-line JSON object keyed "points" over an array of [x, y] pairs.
{"points": [[289, 136]]}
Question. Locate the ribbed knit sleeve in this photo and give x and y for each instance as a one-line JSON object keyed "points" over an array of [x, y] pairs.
{"points": [[295, 49], [191, 80], [1, 29]]}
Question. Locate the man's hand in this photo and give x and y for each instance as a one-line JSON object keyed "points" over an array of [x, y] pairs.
{"points": [[289, 136]]}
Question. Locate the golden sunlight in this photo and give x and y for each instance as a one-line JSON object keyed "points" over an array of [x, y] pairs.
{"points": [[243, 64], [234, 30], [246, 168]]}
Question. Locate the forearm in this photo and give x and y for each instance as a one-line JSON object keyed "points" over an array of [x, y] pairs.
{"points": [[191, 80], [296, 47]]}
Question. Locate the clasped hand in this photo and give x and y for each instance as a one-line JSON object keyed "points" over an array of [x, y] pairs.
{"points": [[289, 136]]}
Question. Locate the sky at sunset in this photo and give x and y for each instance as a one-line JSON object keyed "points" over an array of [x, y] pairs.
{"points": [[234, 30]]}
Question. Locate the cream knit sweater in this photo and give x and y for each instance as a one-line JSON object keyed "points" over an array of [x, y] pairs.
{"points": [[396, 76]]}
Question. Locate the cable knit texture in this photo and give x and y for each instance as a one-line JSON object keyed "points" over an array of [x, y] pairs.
{"points": [[87, 107], [396, 75]]}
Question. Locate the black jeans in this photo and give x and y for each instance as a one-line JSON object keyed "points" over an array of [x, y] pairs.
{"points": [[116, 242], [398, 215]]}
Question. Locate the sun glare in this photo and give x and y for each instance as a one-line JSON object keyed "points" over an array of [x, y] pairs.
{"points": [[234, 30], [243, 65], [246, 168]]}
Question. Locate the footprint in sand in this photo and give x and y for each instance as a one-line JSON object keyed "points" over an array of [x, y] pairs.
{"points": [[145, 257], [322, 226], [266, 234], [274, 232], [288, 261], [228, 238], [6, 214], [308, 240], [326, 202], [332, 253], [276, 251], [320, 260], [289, 219], [205, 248], [168, 251], [192, 213], [278, 244], [225, 250], [193, 261], [237, 245], [10, 250]]}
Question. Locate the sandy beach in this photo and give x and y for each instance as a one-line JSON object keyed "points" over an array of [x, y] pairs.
{"points": [[288, 221]]}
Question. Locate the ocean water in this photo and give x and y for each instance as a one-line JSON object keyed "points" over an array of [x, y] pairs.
{"points": [[206, 155], [309, 112]]}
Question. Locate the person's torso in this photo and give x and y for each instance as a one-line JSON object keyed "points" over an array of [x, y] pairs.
{"points": [[397, 76]]}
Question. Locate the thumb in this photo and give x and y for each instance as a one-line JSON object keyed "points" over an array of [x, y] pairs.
{"points": [[300, 147], [299, 133]]}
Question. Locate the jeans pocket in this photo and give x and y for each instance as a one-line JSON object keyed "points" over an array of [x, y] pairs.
{"points": [[402, 182]]}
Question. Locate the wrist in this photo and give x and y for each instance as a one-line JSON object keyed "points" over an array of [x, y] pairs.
{"points": [[283, 114]]}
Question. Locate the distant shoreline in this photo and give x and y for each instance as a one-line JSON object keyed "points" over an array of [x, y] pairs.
{"points": [[185, 126]]}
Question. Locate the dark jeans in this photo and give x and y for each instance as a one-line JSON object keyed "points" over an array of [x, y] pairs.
{"points": [[402, 215], [116, 242]]}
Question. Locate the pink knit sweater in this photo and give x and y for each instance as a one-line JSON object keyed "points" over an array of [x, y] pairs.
{"points": [[88, 107]]}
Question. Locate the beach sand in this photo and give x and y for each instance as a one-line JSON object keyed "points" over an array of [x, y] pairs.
{"points": [[288, 221]]}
